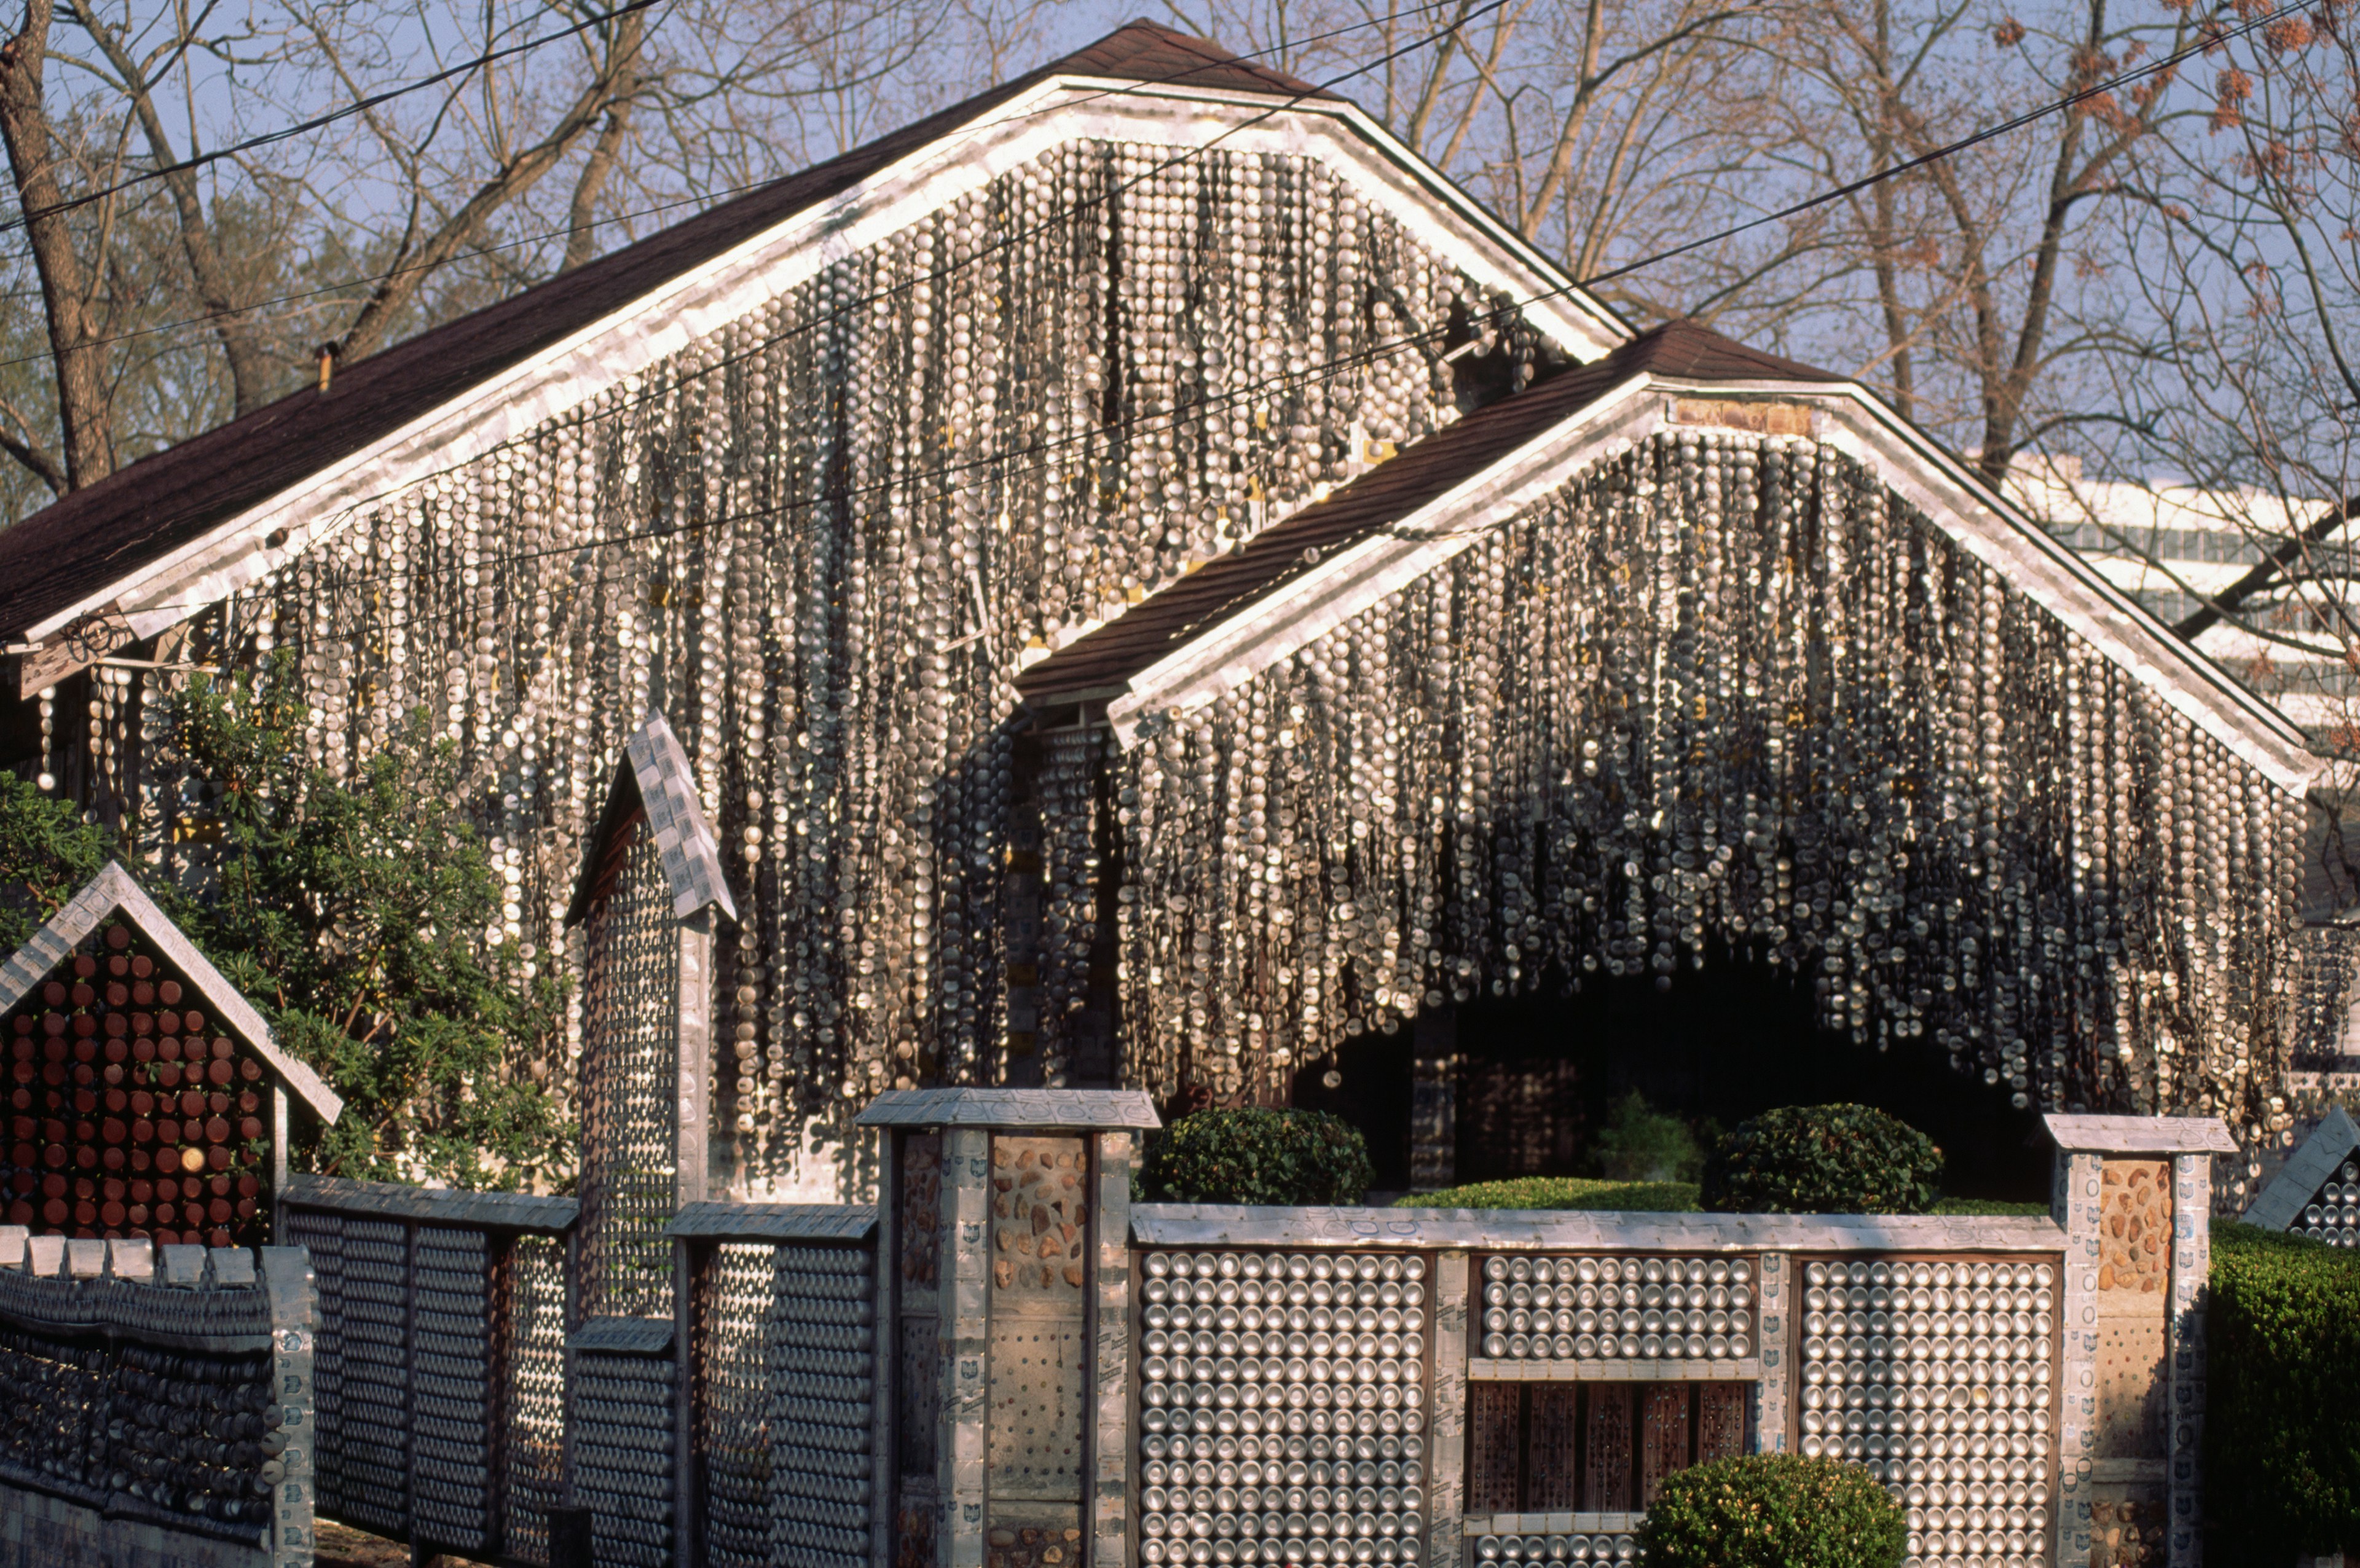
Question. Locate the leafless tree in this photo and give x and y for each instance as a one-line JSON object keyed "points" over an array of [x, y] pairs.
{"points": [[179, 284]]}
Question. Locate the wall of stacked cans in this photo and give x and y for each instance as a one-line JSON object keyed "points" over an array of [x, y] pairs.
{"points": [[1938, 1376], [163, 1396], [2332, 1215], [441, 1373], [130, 1114], [1595, 1308], [1283, 1407], [786, 1350]]}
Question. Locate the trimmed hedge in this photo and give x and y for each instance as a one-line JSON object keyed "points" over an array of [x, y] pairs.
{"points": [[1823, 1160], [2281, 1397], [1632, 1197], [1774, 1511], [1257, 1156], [1561, 1193]]}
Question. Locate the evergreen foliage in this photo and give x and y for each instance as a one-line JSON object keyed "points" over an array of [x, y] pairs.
{"points": [[1823, 1160], [2281, 1416], [1257, 1156], [1640, 1144], [1562, 1192], [361, 917], [47, 853], [1774, 1511]]}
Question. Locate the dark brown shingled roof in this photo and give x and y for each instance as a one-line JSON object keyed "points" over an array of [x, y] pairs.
{"points": [[1103, 661], [98, 536]]}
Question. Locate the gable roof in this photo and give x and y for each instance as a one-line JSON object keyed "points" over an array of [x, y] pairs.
{"points": [[1235, 616], [163, 537], [114, 892], [653, 784], [2281, 1203], [1104, 661]]}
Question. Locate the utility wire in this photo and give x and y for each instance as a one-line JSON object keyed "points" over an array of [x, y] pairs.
{"points": [[1328, 370], [360, 106], [702, 199], [1270, 385]]}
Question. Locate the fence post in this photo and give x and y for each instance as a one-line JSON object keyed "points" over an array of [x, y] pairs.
{"points": [[1448, 1495], [2134, 1196], [688, 1494], [1031, 1315], [294, 1323]]}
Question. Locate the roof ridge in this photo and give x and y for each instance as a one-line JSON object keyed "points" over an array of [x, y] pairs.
{"points": [[171, 498]]}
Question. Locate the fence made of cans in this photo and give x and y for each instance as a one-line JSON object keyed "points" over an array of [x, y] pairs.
{"points": [[1007, 1364], [160, 1406], [443, 1318]]}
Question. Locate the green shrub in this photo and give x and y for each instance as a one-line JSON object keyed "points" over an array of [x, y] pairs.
{"points": [[1562, 1192], [1256, 1155], [2282, 1397], [1642, 1145], [1774, 1511], [1987, 1206], [1823, 1160], [1631, 1197]]}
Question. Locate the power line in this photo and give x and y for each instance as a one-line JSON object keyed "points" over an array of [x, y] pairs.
{"points": [[362, 106], [1175, 418], [1172, 418], [702, 199]]}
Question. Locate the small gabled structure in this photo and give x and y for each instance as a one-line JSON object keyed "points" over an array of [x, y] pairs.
{"points": [[147, 1096], [2316, 1192], [649, 895]]}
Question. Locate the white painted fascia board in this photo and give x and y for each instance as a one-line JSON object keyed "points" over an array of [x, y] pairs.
{"points": [[2073, 590], [707, 298], [114, 890], [1855, 422], [1300, 612]]}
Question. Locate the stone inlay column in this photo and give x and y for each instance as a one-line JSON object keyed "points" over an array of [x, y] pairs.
{"points": [[1012, 1375], [2134, 1197]]}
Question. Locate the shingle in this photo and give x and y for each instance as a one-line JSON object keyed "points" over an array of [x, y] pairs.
{"points": [[1110, 656], [96, 537]]}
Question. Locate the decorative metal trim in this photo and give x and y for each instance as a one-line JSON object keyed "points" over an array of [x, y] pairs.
{"points": [[113, 891], [1488, 1230]]}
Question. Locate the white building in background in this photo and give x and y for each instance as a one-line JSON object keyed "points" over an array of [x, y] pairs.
{"points": [[2170, 545]]}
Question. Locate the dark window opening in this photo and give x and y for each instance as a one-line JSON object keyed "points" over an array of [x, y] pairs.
{"points": [[1594, 1448]]}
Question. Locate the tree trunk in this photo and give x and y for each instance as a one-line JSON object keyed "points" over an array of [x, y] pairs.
{"points": [[65, 284]]}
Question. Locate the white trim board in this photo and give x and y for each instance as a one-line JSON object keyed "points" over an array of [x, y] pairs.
{"points": [[113, 891], [1845, 416], [707, 298], [2281, 1203]]}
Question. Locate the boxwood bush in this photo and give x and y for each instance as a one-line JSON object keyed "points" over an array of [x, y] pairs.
{"points": [[1823, 1160], [2282, 1397], [1561, 1193], [1774, 1511], [1256, 1155]]}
